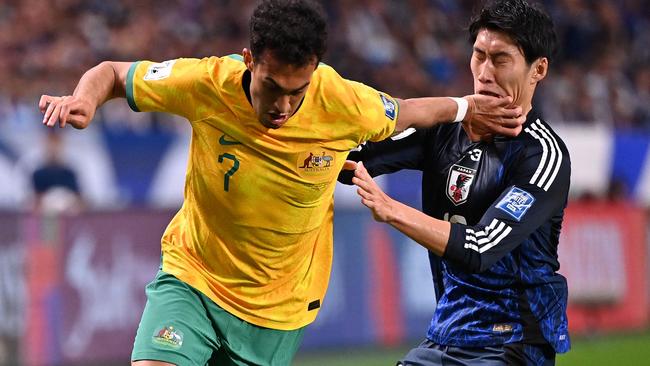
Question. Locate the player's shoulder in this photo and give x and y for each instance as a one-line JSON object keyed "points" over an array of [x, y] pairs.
{"points": [[233, 60], [335, 92], [222, 73], [538, 136], [191, 65], [224, 65], [544, 152], [326, 71], [211, 66], [328, 81], [331, 90]]}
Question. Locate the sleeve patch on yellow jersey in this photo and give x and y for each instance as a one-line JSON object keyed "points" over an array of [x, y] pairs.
{"points": [[159, 71], [389, 107]]}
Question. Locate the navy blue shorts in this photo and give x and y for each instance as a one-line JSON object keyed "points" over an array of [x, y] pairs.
{"points": [[431, 354]]}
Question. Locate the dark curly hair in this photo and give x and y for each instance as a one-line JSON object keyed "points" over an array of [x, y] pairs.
{"points": [[294, 30], [528, 25]]}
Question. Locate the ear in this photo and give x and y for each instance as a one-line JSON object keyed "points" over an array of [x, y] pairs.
{"points": [[539, 70], [248, 59]]}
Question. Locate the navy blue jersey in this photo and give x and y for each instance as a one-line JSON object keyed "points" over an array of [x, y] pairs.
{"points": [[497, 282]]}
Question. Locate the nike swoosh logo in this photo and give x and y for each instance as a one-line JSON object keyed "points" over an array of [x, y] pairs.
{"points": [[223, 141]]}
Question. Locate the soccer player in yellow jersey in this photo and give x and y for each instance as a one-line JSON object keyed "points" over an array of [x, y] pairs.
{"points": [[246, 260]]}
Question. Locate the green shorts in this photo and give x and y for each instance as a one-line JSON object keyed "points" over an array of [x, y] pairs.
{"points": [[182, 326]]}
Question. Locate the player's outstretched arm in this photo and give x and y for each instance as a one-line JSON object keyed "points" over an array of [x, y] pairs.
{"points": [[429, 232], [484, 115], [99, 84]]}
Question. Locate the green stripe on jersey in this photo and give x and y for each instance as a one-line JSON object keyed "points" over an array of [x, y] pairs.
{"points": [[237, 57], [129, 86]]}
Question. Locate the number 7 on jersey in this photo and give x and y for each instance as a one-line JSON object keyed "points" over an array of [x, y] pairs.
{"points": [[229, 173]]}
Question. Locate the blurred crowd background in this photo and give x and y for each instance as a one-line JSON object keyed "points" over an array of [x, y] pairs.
{"points": [[409, 48]]}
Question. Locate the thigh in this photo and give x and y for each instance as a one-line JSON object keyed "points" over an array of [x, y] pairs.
{"points": [[174, 327], [243, 343], [528, 354], [477, 356], [431, 354], [513, 354]]}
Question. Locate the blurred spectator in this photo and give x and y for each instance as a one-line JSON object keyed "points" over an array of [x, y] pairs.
{"points": [[618, 190], [55, 184], [642, 98], [407, 48]]}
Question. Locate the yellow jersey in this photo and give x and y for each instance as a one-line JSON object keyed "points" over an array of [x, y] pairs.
{"points": [[254, 233]]}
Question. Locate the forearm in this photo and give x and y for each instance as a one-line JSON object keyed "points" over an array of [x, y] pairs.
{"points": [[481, 115], [427, 112], [439, 238], [101, 83], [429, 232]]}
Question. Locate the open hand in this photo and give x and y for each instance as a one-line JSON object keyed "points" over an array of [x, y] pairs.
{"points": [[371, 195], [67, 109]]}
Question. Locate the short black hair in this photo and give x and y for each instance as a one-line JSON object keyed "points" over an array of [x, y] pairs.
{"points": [[527, 24], [294, 30]]}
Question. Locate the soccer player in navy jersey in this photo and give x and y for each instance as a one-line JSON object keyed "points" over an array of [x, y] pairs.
{"points": [[493, 207]]}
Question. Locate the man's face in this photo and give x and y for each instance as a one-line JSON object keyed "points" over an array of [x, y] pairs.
{"points": [[276, 88], [500, 69]]}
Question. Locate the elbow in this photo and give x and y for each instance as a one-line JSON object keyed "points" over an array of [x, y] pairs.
{"points": [[118, 73], [481, 267], [486, 263], [475, 267], [481, 263], [474, 263], [468, 255], [106, 66]]}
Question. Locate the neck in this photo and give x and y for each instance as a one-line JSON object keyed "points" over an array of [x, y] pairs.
{"points": [[526, 107], [526, 101]]}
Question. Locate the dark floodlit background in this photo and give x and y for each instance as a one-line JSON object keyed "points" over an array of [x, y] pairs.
{"points": [[73, 266]]}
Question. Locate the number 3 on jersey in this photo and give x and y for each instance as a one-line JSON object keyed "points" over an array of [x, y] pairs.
{"points": [[229, 173]]}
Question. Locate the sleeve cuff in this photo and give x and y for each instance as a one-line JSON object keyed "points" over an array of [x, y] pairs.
{"points": [[129, 86], [455, 250], [345, 176]]}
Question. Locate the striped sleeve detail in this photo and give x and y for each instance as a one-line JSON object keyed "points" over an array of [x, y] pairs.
{"points": [[406, 133], [130, 98], [482, 240], [549, 165]]}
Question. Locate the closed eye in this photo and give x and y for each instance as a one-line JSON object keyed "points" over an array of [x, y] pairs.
{"points": [[297, 92]]}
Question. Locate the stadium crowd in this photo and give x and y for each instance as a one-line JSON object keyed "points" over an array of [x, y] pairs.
{"points": [[408, 48]]}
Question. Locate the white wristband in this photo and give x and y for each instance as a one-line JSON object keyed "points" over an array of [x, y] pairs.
{"points": [[462, 108]]}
